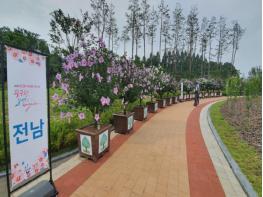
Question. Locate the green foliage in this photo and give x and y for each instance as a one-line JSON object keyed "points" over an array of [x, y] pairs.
{"points": [[177, 64], [253, 85], [250, 87], [106, 115], [245, 155], [234, 86]]}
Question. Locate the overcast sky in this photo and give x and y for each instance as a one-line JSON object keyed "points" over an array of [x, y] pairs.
{"points": [[35, 16]]}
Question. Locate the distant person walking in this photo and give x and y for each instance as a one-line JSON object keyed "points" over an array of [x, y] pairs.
{"points": [[197, 90]]}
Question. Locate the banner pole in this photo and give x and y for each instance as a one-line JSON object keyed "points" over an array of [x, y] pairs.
{"points": [[48, 114], [3, 116]]}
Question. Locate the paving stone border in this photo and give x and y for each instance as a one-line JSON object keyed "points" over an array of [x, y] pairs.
{"points": [[245, 184]]}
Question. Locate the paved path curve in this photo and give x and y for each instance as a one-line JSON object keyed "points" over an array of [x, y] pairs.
{"points": [[151, 162]]}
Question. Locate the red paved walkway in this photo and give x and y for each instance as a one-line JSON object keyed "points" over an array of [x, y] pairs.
{"points": [[203, 179]]}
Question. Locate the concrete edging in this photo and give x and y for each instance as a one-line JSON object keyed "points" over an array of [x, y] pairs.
{"points": [[245, 184]]}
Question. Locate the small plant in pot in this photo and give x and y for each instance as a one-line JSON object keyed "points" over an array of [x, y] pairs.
{"points": [[122, 75], [86, 83]]}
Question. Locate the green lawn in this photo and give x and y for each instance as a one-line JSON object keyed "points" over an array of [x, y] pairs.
{"points": [[245, 155]]}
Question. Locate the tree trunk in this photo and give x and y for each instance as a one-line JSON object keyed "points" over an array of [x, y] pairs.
{"points": [[160, 42]]}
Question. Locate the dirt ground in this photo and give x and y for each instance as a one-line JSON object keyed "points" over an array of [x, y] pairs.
{"points": [[246, 116]]}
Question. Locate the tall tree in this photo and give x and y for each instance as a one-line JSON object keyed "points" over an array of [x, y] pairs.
{"points": [[203, 41], [211, 34], [124, 38], [236, 33], [100, 15], [111, 24], [163, 12], [166, 32], [132, 17], [66, 32], [137, 33], [177, 26], [223, 36], [145, 14], [152, 27], [191, 32]]}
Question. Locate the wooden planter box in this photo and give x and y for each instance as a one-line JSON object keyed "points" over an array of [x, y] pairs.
{"points": [[161, 103], [140, 113], [174, 100], [93, 143], [123, 123], [152, 107], [169, 101]]}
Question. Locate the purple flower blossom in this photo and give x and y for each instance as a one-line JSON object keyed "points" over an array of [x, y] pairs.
{"points": [[98, 77], [65, 87], [130, 85], [101, 60], [81, 116], [53, 84], [62, 115], [60, 102], [115, 90], [109, 79], [80, 77], [58, 77], [105, 101], [97, 117], [55, 97]]}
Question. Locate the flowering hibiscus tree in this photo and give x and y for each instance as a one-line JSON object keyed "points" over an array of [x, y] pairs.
{"points": [[142, 83], [188, 86], [85, 81], [163, 83], [122, 72]]}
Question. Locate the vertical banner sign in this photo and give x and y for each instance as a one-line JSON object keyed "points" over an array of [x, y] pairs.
{"points": [[182, 90], [27, 113]]}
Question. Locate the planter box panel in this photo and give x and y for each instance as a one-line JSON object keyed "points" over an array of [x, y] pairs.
{"points": [[161, 103], [152, 107], [168, 101], [123, 123], [140, 113], [93, 143]]}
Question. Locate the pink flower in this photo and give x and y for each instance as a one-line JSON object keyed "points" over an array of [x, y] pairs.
{"points": [[80, 77], [81, 116], [55, 97], [115, 90], [109, 79], [130, 85], [101, 60], [60, 102], [97, 117], [58, 77], [105, 101], [65, 87], [62, 115], [53, 84], [98, 77]]}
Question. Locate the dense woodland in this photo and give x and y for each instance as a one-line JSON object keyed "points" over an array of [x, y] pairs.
{"points": [[188, 46]]}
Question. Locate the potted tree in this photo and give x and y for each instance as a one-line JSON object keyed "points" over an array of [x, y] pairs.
{"points": [[122, 75], [86, 83], [163, 82], [141, 82], [151, 88]]}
